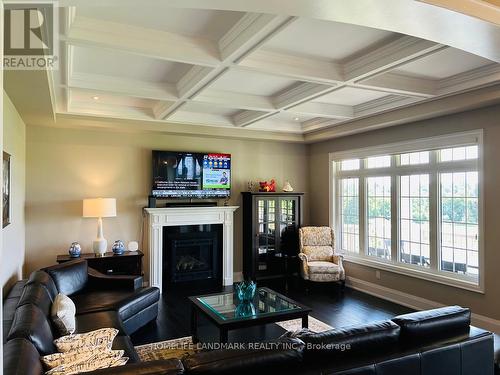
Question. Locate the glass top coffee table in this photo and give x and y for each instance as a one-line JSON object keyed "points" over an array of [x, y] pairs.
{"points": [[228, 313]]}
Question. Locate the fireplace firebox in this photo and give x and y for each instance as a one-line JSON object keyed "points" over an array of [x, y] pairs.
{"points": [[192, 257]]}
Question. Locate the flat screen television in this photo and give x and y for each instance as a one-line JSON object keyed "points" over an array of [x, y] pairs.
{"points": [[191, 175]]}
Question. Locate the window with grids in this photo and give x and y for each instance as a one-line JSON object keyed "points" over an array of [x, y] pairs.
{"points": [[349, 197], [459, 222], [414, 229], [417, 210], [379, 216]]}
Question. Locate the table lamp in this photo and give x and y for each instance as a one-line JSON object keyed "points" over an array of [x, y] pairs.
{"points": [[99, 208]]}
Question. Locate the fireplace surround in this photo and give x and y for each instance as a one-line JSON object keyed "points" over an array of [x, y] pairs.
{"points": [[158, 218]]}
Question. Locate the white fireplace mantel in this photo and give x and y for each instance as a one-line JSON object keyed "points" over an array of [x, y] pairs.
{"points": [[157, 218]]}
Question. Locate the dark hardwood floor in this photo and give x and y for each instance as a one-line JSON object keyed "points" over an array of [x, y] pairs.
{"points": [[327, 305]]}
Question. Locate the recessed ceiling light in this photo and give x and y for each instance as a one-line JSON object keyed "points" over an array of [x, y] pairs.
{"points": [[296, 118], [95, 97]]}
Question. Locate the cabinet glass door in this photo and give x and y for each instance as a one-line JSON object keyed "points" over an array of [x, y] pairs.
{"points": [[266, 232], [287, 220]]}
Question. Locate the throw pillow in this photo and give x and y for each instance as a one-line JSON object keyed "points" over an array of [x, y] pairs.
{"points": [[83, 354], [99, 338], [63, 314], [104, 359]]}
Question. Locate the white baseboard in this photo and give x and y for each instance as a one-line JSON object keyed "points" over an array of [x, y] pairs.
{"points": [[237, 276], [414, 302]]}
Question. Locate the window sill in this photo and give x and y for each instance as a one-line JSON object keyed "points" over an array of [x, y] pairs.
{"points": [[412, 271]]}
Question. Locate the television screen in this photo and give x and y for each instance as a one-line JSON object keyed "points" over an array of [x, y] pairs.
{"points": [[191, 175]]}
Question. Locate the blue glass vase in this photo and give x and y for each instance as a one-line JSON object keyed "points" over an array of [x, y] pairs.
{"points": [[244, 309], [245, 291], [118, 247], [75, 250]]}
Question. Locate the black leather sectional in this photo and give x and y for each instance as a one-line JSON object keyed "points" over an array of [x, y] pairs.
{"points": [[433, 342]]}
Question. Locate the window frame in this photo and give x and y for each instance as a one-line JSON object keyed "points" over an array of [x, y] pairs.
{"points": [[433, 168]]}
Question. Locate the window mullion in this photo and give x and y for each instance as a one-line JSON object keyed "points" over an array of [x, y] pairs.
{"points": [[363, 229], [394, 217], [434, 212]]}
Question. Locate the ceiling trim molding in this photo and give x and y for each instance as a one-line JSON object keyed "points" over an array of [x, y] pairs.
{"points": [[413, 112], [116, 124]]}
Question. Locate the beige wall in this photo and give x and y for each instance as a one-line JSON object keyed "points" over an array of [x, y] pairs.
{"points": [[66, 165], [487, 304], [14, 143]]}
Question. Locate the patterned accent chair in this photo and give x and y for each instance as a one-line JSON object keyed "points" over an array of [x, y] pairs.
{"points": [[319, 263]]}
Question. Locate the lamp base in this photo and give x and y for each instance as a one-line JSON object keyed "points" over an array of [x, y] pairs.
{"points": [[100, 246]]}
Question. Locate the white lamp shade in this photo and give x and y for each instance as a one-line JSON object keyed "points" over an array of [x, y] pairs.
{"points": [[99, 207]]}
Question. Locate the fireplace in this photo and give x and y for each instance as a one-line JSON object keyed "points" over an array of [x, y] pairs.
{"points": [[159, 218], [192, 256]]}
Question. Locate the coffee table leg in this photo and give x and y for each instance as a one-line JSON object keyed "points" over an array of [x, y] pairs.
{"points": [[305, 321], [194, 324], [223, 335]]}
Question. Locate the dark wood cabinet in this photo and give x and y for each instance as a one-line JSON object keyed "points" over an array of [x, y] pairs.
{"points": [[129, 263], [270, 234]]}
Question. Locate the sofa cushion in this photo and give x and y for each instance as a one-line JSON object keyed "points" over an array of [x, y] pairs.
{"points": [[20, 357], [102, 319], [351, 341], [9, 310], [63, 313], [123, 300], [32, 324], [43, 278], [316, 236], [36, 294], [433, 324], [323, 267], [16, 290], [98, 338], [69, 277]]}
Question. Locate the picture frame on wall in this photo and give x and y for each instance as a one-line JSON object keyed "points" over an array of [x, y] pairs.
{"points": [[6, 189]]}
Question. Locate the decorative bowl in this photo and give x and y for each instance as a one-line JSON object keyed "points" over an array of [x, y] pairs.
{"points": [[75, 250], [118, 247]]}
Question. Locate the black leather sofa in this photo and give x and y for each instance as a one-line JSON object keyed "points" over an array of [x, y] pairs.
{"points": [[433, 342]]}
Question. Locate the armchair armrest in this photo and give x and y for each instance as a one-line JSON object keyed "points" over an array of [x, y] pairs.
{"points": [[98, 280], [303, 257], [304, 268], [160, 367], [337, 259]]}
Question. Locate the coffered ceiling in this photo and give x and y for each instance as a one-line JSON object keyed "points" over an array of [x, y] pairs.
{"points": [[248, 70]]}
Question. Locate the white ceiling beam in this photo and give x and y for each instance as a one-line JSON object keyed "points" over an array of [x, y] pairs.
{"points": [[236, 100], [245, 118], [401, 84], [293, 66], [299, 94], [383, 104], [246, 35], [389, 56], [141, 41], [123, 86], [249, 33], [327, 110]]}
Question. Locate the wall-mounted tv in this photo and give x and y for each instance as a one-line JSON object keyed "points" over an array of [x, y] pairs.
{"points": [[191, 175]]}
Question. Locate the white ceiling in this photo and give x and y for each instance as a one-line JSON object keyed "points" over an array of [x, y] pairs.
{"points": [[260, 71]]}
